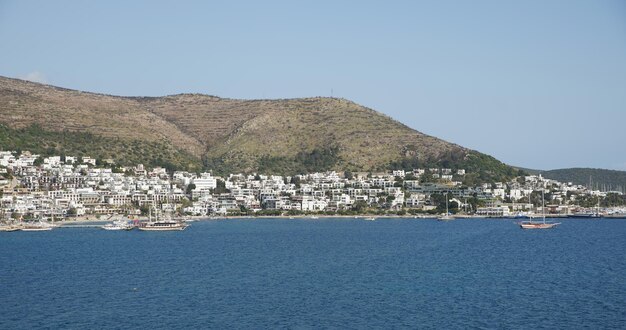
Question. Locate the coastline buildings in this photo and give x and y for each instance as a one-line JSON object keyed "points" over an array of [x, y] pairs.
{"points": [[44, 187]]}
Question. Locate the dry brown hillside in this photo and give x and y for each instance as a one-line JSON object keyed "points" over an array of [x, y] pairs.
{"points": [[239, 135]]}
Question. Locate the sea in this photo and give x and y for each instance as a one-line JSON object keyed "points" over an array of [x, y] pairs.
{"points": [[329, 273]]}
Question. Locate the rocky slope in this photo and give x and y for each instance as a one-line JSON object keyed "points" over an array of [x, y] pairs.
{"points": [[289, 136]]}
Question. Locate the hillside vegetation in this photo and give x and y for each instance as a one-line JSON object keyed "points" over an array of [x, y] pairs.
{"points": [[223, 135], [122, 152], [598, 178]]}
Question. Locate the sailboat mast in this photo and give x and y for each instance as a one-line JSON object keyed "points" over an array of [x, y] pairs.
{"points": [[543, 205], [447, 212]]}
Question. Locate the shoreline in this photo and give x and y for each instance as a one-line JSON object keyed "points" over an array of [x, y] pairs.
{"points": [[90, 220]]}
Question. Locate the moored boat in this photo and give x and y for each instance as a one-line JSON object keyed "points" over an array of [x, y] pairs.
{"points": [[118, 225], [539, 225], [583, 216], [9, 228], [447, 216], [36, 226], [163, 225]]}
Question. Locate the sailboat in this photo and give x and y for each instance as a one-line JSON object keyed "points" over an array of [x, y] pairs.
{"points": [[447, 216], [539, 225]]}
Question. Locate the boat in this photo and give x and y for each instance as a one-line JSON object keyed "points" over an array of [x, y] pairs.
{"points": [[36, 226], [162, 225], [539, 225], [9, 228], [522, 215], [118, 225], [314, 217], [370, 219], [583, 216], [447, 216], [587, 215]]}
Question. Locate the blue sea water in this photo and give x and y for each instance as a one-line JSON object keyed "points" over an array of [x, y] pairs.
{"points": [[327, 273]]}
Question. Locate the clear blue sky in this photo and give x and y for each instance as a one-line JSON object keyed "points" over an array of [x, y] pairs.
{"points": [[539, 84]]}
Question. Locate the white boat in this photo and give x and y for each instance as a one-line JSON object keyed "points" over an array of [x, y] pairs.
{"points": [[162, 225], [539, 225], [37, 226], [8, 228], [314, 217], [447, 216], [118, 225], [370, 219]]}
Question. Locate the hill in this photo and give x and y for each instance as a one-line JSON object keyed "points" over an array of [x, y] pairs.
{"points": [[197, 132], [600, 179]]}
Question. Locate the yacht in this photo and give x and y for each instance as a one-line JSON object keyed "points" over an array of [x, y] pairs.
{"points": [[447, 216], [539, 225], [370, 219], [10, 228], [162, 225], [36, 226], [118, 225]]}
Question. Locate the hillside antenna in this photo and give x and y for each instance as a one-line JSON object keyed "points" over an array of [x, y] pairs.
{"points": [[331, 93]]}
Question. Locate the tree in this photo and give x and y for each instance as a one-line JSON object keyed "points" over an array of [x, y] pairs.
{"points": [[359, 206], [185, 203], [296, 181], [221, 187], [117, 169], [145, 209], [71, 212], [613, 199], [427, 177], [190, 187], [440, 201]]}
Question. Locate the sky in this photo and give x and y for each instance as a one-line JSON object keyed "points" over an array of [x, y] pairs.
{"points": [[536, 84]]}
